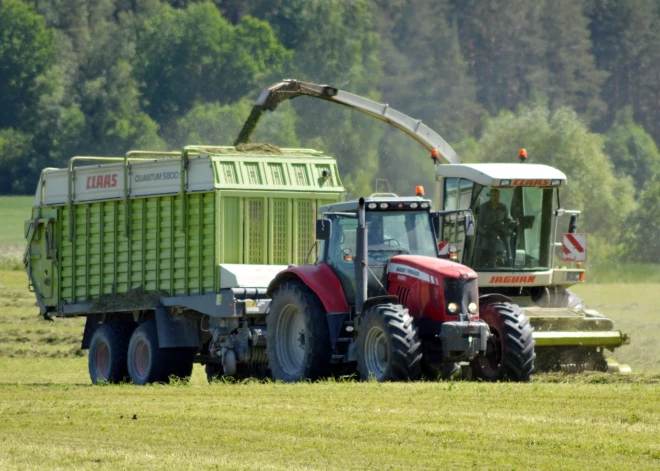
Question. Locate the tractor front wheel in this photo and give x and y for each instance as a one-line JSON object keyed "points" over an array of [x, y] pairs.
{"points": [[388, 346], [297, 335], [510, 353]]}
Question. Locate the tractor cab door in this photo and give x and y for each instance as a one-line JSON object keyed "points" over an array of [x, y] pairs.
{"points": [[454, 224], [340, 253]]}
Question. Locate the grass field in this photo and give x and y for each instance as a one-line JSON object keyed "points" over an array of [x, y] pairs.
{"points": [[14, 211], [52, 418]]}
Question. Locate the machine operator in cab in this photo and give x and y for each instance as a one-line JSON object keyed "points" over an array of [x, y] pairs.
{"points": [[493, 228]]}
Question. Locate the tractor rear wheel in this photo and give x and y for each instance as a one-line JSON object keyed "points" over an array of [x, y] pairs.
{"points": [[388, 346], [510, 353], [297, 335], [107, 352]]}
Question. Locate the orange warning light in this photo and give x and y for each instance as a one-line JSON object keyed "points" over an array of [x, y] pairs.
{"points": [[522, 155], [419, 190], [435, 154]]}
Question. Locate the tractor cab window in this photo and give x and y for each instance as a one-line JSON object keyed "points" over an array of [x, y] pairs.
{"points": [[513, 228], [395, 233]]}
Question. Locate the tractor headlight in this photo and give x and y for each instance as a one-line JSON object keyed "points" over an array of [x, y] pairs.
{"points": [[472, 307], [452, 307]]}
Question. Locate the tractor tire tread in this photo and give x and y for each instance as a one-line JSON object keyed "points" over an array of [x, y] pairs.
{"points": [[317, 361], [406, 346], [518, 352]]}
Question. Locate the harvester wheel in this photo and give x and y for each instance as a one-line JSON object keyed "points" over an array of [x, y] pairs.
{"points": [[510, 353], [148, 363], [107, 352], [297, 336], [388, 346]]}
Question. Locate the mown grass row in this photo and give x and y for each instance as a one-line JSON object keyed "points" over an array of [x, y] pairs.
{"points": [[330, 425]]}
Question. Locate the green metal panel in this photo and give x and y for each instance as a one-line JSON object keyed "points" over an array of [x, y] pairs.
{"points": [[231, 231], [280, 228], [262, 211]]}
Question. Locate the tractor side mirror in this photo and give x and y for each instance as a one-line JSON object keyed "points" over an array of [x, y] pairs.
{"points": [[323, 229], [572, 225], [468, 223]]}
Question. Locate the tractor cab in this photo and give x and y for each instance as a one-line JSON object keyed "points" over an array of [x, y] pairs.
{"points": [[395, 226], [514, 208]]}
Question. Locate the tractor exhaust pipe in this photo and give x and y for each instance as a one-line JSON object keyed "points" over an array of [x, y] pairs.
{"points": [[361, 259]]}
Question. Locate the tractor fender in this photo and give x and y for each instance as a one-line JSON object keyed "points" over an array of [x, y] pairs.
{"points": [[320, 279]]}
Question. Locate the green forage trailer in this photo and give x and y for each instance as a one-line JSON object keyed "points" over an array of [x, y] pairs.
{"points": [[168, 254]]}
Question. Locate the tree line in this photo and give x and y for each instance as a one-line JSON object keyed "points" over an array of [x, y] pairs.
{"points": [[575, 82]]}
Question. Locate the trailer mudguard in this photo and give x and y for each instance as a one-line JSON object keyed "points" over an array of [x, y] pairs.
{"points": [[92, 323], [321, 280], [176, 331]]}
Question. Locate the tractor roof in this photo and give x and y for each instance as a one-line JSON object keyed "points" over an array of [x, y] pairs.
{"points": [[504, 175], [393, 201]]}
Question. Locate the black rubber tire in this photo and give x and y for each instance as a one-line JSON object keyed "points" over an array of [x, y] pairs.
{"points": [[312, 356], [510, 355], [148, 363], [110, 341], [391, 327], [213, 372], [182, 361]]}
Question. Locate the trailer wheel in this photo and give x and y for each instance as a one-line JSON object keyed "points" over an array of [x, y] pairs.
{"points": [[388, 346], [148, 363], [297, 336], [510, 354], [107, 352]]}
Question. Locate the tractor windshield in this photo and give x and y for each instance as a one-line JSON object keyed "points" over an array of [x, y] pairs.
{"points": [[513, 225], [389, 233]]}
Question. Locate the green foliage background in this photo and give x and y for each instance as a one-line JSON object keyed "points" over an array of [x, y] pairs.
{"points": [[574, 82]]}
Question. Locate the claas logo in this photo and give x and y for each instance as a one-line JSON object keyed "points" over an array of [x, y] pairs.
{"points": [[101, 181], [531, 182]]}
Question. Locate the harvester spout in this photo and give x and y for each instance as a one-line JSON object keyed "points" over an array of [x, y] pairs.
{"points": [[272, 96]]}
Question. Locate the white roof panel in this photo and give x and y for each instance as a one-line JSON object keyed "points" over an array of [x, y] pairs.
{"points": [[499, 174]]}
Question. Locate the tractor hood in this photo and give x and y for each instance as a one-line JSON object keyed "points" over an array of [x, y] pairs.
{"points": [[428, 269]]}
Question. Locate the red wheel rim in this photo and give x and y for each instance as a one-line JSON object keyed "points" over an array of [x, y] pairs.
{"points": [[142, 358], [102, 361]]}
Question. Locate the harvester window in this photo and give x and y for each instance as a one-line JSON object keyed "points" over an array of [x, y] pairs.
{"points": [[458, 193], [509, 228]]}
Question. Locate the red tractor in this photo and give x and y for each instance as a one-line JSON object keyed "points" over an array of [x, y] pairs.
{"points": [[381, 300]]}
